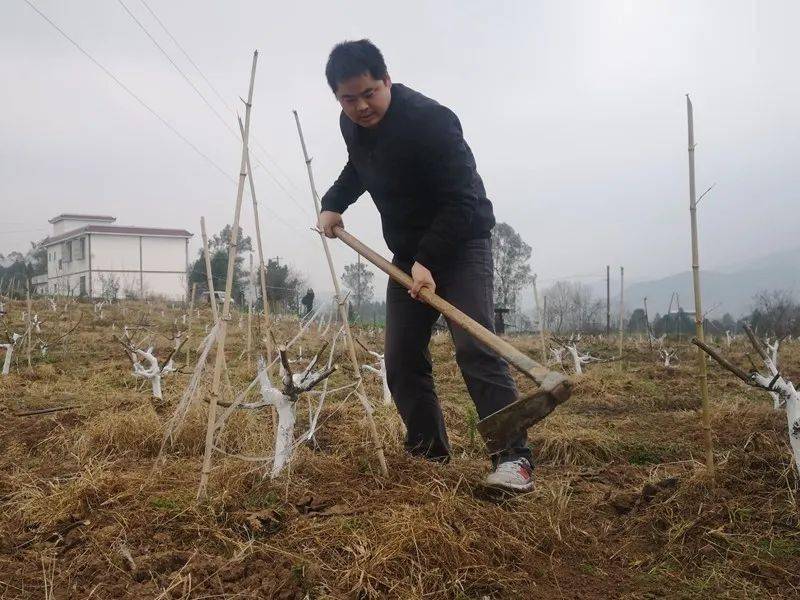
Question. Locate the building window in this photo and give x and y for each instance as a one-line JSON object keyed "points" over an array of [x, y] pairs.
{"points": [[80, 249], [67, 252]]}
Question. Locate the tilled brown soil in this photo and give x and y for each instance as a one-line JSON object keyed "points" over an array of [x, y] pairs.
{"points": [[623, 506]]}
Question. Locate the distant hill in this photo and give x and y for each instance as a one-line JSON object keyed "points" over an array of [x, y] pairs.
{"points": [[732, 286]]}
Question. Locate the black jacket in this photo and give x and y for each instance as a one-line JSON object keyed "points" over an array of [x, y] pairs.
{"points": [[422, 176]]}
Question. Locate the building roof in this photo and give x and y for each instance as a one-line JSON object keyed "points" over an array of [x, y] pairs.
{"points": [[75, 216], [118, 230]]}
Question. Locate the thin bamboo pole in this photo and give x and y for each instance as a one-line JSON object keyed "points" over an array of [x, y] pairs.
{"points": [[30, 325], [262, 269], [541, 321], [608, 300], [209, 276], [249, 333], [647, 323], [191, 298], [698, 309], [212, 295], [189, 319], [226, 305], [621, 308], [359, 388]]}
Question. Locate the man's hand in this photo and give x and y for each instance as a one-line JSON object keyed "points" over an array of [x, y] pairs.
{"points": [[328, 220], [422, 278]]}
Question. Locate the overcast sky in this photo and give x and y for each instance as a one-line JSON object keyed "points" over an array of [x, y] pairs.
{"points": [[575, 112]]}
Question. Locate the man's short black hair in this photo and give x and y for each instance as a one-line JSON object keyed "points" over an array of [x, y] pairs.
{"points": [[351, 59]]}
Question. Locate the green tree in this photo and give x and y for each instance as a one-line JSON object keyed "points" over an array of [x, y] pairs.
{"points": [[358, 280], [637, 322], [17, 269], [283, 287], [218, 251], [511, 269]]}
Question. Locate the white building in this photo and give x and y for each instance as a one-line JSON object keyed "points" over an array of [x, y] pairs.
{"points": [[87, 255]]}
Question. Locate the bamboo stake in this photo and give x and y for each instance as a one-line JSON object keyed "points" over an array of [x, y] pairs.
{"points": [[608, 300], [698, 310], [29, 330], [261, 267], [621, 308], [249, 332], [226, 306], [191, 300], [209, 277], [189, 319], [359, 388], [541, 321]]}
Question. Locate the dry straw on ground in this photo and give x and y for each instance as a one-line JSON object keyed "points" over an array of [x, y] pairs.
{"points": [[622, 506]]}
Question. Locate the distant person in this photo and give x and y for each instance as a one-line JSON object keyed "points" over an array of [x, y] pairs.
{"points": [[308, 302], [409, 153]]}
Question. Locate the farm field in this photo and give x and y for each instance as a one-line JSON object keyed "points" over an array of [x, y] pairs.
{"points": [[623, 506]]}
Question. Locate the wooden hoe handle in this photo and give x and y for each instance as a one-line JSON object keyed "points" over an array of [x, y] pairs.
{"points": [[538, 373]]}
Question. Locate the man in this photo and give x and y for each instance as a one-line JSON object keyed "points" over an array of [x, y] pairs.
{"points": [[408, 151]]}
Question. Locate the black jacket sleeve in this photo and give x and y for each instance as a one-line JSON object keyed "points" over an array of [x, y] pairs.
{"points": [[451, 172], [344, 191]]}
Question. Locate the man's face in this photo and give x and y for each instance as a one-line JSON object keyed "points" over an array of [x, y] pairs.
{"points": [[365, 100]]}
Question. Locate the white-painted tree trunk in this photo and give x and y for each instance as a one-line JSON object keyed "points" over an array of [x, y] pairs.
{"points": [[791, 400], [576, 360], [777, 400], [668, 355], [381, 372], [152, 373], [284, 435], [7, 361], [558, 355]]}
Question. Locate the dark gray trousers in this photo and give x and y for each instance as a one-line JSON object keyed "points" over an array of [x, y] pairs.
{"points": [[467, 283]]}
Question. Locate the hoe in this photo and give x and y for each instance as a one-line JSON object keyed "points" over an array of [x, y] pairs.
{"points": [[554, 388]]}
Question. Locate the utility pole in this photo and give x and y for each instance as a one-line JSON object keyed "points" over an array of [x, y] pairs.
{"points": [[544, 312], [608, 300], [698, 309], [621, 308], [541, 321]]}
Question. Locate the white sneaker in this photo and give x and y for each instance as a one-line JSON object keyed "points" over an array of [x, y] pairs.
{"points": [[515, 475]]}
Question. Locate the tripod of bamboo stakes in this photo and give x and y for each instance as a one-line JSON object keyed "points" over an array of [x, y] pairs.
{"points": [[219, 363], [342, 303]]}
